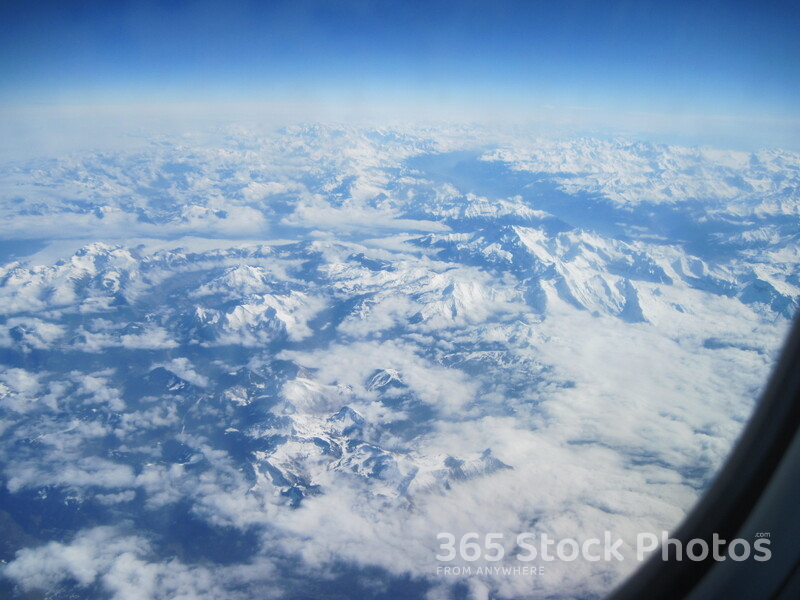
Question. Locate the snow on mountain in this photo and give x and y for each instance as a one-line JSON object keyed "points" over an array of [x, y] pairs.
{"points": [[266, 315], [241, 279], [96, 275], [631, 173], [385, 379], [328, 341]]}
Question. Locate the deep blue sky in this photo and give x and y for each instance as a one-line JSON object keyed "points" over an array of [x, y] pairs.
{"points": [[684, 57]]}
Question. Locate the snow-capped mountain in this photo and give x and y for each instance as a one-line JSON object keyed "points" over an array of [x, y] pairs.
{"points": [[325, 345]]}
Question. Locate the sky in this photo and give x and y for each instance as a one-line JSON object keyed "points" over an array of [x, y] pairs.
{"points": [[722, 62]]}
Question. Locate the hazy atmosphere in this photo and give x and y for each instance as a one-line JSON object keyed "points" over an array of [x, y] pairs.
{"points": [[289, 289]]}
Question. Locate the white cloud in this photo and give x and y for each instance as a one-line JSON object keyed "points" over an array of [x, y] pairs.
{"points": [[120, 563], [183, 368]]}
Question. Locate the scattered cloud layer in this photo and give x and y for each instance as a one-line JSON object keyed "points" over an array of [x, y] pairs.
{"points": [[428, 335]]}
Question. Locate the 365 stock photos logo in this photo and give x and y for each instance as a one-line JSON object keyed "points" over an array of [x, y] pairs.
{"points": [[527, 547]]}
